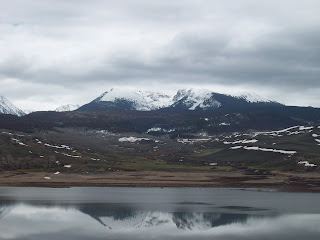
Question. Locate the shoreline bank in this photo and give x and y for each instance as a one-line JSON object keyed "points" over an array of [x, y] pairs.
{"points": [[281, 181]]}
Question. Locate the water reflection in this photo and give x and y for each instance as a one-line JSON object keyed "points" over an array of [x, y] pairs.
{"points": [[25, 221], [107, 215], [126, 219], [180, 220]]}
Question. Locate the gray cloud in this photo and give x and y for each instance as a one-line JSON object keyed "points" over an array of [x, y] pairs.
{"points": [[269, 47]]}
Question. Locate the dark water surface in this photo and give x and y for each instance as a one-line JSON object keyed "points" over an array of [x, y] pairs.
{"points": [[157, 213]]}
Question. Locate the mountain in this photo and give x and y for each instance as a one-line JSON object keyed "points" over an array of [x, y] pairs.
{"points": [[67, 108], [191, 99], [6, 107]]}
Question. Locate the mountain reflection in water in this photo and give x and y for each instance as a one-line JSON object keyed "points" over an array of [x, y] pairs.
{"points": [[109, 216], [76, 218]]}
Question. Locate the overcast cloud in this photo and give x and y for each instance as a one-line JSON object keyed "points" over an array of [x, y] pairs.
{"points": [[56, 52]]}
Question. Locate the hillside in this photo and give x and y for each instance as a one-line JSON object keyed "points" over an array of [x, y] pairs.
{"points": [[295, 148]]}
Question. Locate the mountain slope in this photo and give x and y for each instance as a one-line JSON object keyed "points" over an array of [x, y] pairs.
{"points": [[67, 108], [195, 99], [6, 107], [135, 100], [251, 97], [192, 99]]}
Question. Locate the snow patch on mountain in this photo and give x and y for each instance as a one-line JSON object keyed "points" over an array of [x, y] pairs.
{"points": [[196, 98], [67, 108], [142, 100], [6, 107], [251, 97]]}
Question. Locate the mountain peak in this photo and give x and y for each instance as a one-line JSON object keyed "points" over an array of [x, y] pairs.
{"points": [[6, 107]]}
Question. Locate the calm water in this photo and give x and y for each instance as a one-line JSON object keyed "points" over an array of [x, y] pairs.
{"points": [[157, 213]]}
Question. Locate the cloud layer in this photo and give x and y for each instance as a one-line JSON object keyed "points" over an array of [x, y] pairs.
{"points": [[57, 52]]}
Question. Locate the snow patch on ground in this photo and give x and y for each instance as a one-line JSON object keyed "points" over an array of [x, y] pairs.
{"points": [[224, 124], [106, 132], [307, 164], [69, 155], [287, 131], [158, 129], [280, 131], [132, 139], [213, 164], [236, 147], [302, 128], [54, 146], [254, 148], [191, 141], [242, 141], [19, 142]]}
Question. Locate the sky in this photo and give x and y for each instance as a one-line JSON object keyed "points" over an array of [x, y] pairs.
{"points": [[56, 52]]}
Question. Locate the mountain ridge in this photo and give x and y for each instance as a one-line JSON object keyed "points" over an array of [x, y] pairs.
{"points": [[184, 99]]}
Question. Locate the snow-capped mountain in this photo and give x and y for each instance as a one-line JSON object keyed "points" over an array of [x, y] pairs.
{"points": [[67, 108], [6, 107], [191, 99]]}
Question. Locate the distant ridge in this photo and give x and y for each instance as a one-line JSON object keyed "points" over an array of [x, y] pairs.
{"points": [[67, 108]]}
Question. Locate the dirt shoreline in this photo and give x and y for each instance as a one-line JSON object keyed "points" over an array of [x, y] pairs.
{"points": [[281, 181]]}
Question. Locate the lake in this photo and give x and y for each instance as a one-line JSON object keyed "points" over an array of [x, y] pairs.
{"points": [[157, 213]]}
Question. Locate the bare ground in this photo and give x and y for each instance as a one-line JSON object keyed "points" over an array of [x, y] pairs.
{"points": [[282, 181]]}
